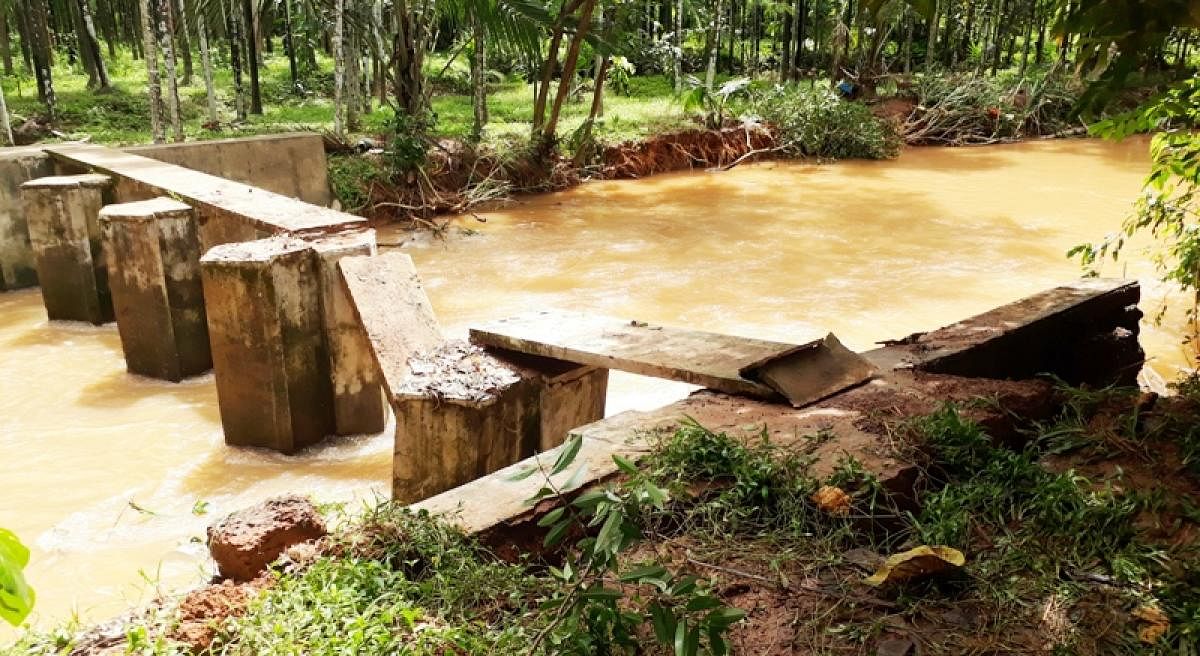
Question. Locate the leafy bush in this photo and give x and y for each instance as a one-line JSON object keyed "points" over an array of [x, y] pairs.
{"points": [[816, 123]]}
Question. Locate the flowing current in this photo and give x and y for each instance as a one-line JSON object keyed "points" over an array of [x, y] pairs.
{"points": [[111, 479]]}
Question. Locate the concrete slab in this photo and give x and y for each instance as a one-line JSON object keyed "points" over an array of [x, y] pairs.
{"points": [[808, 375], [64, 232], [228, 211], [1024, 338], [263, 301], [701, 358], [357, 386], [153, 253], [391, 306]]}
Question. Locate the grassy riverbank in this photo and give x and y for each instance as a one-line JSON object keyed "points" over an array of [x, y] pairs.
{"points": [[1084, 538]]}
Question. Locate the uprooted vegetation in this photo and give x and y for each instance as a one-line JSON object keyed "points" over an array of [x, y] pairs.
{"points": [[1080, 536]]}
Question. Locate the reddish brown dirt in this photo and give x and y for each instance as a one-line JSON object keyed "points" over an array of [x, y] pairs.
{"points": [[683, 150], [203, 611]]}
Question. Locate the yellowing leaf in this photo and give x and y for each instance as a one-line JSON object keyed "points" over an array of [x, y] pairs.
{"points": [[1155, 623], [917, 563]]}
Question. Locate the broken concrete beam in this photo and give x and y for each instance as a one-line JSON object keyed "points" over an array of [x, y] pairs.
{"points": [[393, 311], [154, 270], [263, 300], [18, 267], [358, 402], [707, 359], [64, 230], [1083, 332]]}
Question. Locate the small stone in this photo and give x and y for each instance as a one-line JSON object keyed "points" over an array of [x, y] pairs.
{"points": [[832, 500], [894, 647], [244, 543]]}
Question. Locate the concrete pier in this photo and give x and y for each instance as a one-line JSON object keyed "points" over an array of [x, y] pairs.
{"points": [[263, 301], [358, 402], [64, 230], [153, 256], [17, 165]]}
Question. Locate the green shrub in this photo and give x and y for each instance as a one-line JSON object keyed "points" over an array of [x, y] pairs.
{"points": [[816, 123]]}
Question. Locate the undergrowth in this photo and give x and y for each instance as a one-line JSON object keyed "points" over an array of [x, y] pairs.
{"points": [[655, 562]]}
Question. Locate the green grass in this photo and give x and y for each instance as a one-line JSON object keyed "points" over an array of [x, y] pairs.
{"points": [[122, 116]]}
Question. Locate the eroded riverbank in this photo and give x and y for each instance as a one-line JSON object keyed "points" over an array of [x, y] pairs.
{"points": [[113, 474]]}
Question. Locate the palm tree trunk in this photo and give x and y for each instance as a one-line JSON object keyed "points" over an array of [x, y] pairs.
{"points": [[677, 56], [185, 43], [150, 50], [5, 126], [167, 34], [5, 42], [714, 47], [546, 76], [568, 73], [339, 68], [252, 61], [478, 79], [289, 43], [206, 64], [89, 42], [40, 49], [233, 25]]}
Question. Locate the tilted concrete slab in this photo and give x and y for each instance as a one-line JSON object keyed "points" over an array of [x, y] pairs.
{"points": [[154, 271], [228, 211], [391, 306], [710, 360], [1023, 339], [64, 231], [357, 387]]}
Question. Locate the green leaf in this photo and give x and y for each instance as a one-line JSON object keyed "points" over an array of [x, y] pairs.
{"points": [[702, 602], [551, 517], [724, 617], [664, 623], [654, 571], [681, 631], [556, 534], [610, 534], [590, 499], [521, 474], [16, 597], [625, 465], [566, 456]]}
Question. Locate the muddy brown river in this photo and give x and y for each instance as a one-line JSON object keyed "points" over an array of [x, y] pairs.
{"points": [[111, 479]]}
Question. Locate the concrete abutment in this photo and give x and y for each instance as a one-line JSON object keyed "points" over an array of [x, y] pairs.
{"points": [[153, 253]]}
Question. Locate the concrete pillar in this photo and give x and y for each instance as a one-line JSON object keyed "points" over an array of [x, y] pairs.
{"points": [[154, 270], [64, 230], [17, 165], [263, 300], [463, 413], [358, 403]]}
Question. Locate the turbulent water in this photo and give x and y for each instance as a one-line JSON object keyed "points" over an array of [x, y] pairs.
{"points": [[111, 479]]}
